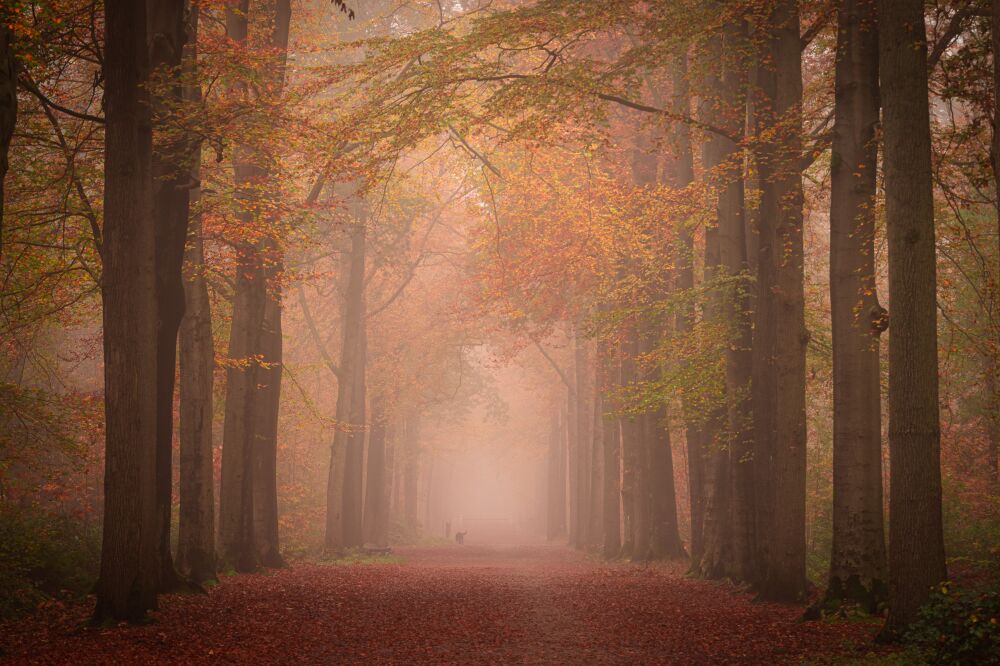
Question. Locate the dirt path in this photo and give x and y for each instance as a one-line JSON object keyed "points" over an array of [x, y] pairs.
{"points": [[449, 604]]}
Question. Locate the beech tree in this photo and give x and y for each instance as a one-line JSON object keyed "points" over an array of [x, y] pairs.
{"points": [[196, 513], [779, 332], [636, 241], [377, 487], [130, 563], [679, 174], [343, 505], [556, 513], [171, 182], [729, 544], [247, 511], [857, 561], [916, 541]]}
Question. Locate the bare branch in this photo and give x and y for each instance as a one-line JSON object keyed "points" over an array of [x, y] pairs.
{"points": [[949, 35], [311, 324], [555, 366], [29, 85]]}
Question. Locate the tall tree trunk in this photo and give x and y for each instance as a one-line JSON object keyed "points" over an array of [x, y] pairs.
{"points": [[657, 478], [916, 543], [376, 514], [637, 452], [354, 462], [647, 436], [584, 430], [196, 527], [196, 520], [237, 545], [429, 494], [665, 532], [611, 448], [398, 448], [573, 459], [129, 572], [390, 429], [171, 184], [780, 336], [679, 175], [596, 485], [739, 361], [857, 560], [411, 472], [631, 458], [267, 399], [253, 389], [716, 474], [265, 448], [716, 477], [344, 482], [557, 481], [729, 509], [8, 104]]}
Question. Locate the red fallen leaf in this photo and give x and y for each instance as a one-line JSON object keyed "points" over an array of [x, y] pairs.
{"points": [[470, 605]]}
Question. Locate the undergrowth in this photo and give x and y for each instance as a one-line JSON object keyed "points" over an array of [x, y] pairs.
{"points": [[44, 557]]}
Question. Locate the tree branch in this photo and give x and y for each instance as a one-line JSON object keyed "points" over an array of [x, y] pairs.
{"points": [[821, 22], [482, 158], [555, 366], [420, 255], [679, 117], [28, 85], [949, 35], [623, 101], [821, 138], [311, 324]]}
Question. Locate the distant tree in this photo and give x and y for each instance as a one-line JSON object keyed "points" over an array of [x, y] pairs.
{"points": [[579, 531], [343, 504], [556, 461], [376, 514], [611, 438]]}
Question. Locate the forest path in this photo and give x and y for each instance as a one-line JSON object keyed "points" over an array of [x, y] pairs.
{"points": [[539, 604]]}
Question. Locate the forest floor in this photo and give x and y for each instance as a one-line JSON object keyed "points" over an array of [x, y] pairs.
{"points": [[453, 604]]}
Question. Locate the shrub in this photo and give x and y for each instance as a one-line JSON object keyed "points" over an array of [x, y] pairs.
{"points": [[44, 556], [959, 626]]}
